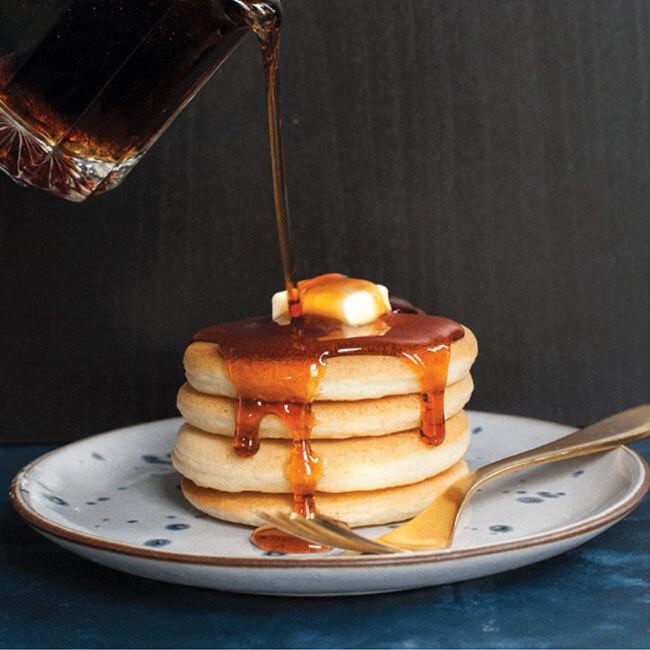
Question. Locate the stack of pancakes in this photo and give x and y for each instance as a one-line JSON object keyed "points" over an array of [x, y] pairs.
{"points": [[377, 469]]}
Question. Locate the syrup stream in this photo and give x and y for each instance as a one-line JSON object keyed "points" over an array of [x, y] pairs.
{"points": [[265, 21]]}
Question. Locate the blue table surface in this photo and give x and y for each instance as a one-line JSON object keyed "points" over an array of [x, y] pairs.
{"points": [[595, 596]]}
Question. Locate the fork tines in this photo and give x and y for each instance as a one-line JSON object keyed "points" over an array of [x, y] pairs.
{"points": [[324, 530]]}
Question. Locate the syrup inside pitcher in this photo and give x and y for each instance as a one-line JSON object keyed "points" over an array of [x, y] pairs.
{"points": [[87, 87]]}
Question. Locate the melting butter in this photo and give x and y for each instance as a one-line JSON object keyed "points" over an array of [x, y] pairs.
{"points": [[349, 301]]}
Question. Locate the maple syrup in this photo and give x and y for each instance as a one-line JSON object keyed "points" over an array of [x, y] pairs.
{"points": [[276, 369], [264, 18], [272, 539]]}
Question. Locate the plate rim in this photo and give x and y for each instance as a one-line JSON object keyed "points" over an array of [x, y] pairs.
{"points": [[48, 526]]}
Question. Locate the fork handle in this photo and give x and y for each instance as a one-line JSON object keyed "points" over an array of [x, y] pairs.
{"points": [[627, 426]]}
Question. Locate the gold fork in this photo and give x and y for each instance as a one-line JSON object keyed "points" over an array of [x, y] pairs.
{"points": [[434, 527]]}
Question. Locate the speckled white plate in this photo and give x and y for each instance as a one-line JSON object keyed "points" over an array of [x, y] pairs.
{"points": [[114, 498]]}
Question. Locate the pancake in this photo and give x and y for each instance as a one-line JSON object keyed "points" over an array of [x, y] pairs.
{"points": [[367, 508], [352, 377], [376, 417], [350, 464]]}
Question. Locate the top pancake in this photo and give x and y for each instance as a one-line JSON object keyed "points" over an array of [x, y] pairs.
{"points": [[353, 377]]}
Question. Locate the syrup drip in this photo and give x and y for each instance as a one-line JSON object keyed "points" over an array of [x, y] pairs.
{"points": [[304, 468]]}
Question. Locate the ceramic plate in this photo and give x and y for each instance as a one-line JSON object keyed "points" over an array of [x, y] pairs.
{"points": [[115, 498]]}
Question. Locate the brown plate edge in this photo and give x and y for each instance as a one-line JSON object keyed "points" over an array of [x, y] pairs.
{"points": [[350, 561]]}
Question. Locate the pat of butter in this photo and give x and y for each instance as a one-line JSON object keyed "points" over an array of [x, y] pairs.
{"points": [[346, 300]]}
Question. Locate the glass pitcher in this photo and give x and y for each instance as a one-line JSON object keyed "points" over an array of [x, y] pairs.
{"points": [[86, 87]]}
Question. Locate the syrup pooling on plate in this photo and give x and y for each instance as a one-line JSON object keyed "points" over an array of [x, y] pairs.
{"points": [[276, 369], [269, 538]]}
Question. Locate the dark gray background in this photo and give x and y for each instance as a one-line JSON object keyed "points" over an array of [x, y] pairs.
{"points": [[486, 160]]}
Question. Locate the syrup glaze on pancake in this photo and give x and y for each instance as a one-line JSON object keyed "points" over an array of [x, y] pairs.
{"points": [[277, 368]]}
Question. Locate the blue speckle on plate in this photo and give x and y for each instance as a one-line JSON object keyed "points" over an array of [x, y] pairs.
{"points": [[477, 429], [57, 500], [106, 519], [550, 495], [177, 526], [103, 498], [157, 542], [530, 500], [505, 491], [500, 528], [522, 480], [155, 460], [521, 491], [171, 516], [273, 553], [578, 473], [90, 503], [131, 521], [121, 488], [97, 456]]}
